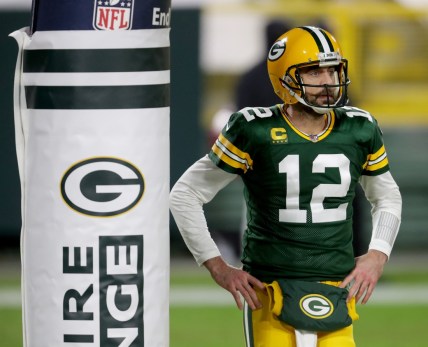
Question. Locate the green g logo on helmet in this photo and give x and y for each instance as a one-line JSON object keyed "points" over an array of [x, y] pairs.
{"points": [[316, 306], [277, 50]]}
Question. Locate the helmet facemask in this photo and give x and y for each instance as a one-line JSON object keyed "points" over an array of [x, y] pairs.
{"points": [[338, 91]]}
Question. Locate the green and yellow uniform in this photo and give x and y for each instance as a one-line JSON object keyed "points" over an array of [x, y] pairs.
{"points": [[299, 188]]}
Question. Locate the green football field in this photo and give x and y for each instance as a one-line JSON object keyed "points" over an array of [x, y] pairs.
{"points": [[381, 324]]}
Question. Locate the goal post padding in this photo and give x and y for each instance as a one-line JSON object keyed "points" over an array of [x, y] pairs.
{"points": [[92, 108]]}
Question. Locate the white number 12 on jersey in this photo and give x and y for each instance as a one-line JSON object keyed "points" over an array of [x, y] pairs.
{"points": [[292, 212]]}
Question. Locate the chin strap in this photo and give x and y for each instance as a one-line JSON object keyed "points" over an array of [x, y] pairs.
{"points": [[306, 338]]}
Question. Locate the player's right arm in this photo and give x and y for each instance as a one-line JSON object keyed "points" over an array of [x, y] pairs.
{"points": [[196, 187]]}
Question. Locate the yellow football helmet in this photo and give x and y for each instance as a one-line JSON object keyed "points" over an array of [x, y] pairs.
{"points": [[302, 47]]}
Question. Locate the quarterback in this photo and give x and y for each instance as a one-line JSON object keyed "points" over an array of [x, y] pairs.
{"points": [[300, 162]]}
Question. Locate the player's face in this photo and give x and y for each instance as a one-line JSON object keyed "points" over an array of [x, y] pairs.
{"points": [[320, 76]]}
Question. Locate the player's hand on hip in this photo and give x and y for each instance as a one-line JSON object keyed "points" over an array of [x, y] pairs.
{"points": [[364, 277], [236, 281]]}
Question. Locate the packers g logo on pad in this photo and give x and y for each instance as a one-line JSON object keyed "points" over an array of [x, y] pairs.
{"points": [[277, 50], [316, 306], [102, 187]]}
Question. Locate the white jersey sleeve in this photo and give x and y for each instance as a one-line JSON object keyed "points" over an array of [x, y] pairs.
{"points": [[197, 186], [383, 194]]}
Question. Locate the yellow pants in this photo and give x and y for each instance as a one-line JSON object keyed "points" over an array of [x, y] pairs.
{"points": [[263, 329]]}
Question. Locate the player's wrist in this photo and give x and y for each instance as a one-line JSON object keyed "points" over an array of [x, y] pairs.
{"points": [[215, 265], [380, 256]]}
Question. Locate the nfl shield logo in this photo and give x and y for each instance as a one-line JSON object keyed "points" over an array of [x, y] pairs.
{"points": [[113, 14]]}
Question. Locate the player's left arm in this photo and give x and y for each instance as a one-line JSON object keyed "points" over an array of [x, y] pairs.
{"points": [[384, 195]]}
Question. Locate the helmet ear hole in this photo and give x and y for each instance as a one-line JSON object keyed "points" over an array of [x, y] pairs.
{"points": [[289, 84], [289, 80]]}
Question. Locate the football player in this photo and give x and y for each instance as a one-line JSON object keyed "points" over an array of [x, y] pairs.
{"points": [[300, 162]]}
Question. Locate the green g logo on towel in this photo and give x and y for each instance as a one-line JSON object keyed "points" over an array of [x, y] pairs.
{"points": [[316, 306]]}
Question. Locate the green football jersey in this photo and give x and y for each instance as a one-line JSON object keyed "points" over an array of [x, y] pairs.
{"points": [[299, 189]]}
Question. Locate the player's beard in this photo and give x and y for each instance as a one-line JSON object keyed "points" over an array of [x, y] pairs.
{"points": [[307, 110], [327, 97]]}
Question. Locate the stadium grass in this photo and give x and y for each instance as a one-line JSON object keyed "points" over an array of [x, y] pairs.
{"points": [[379, 326], [11, 327]]}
